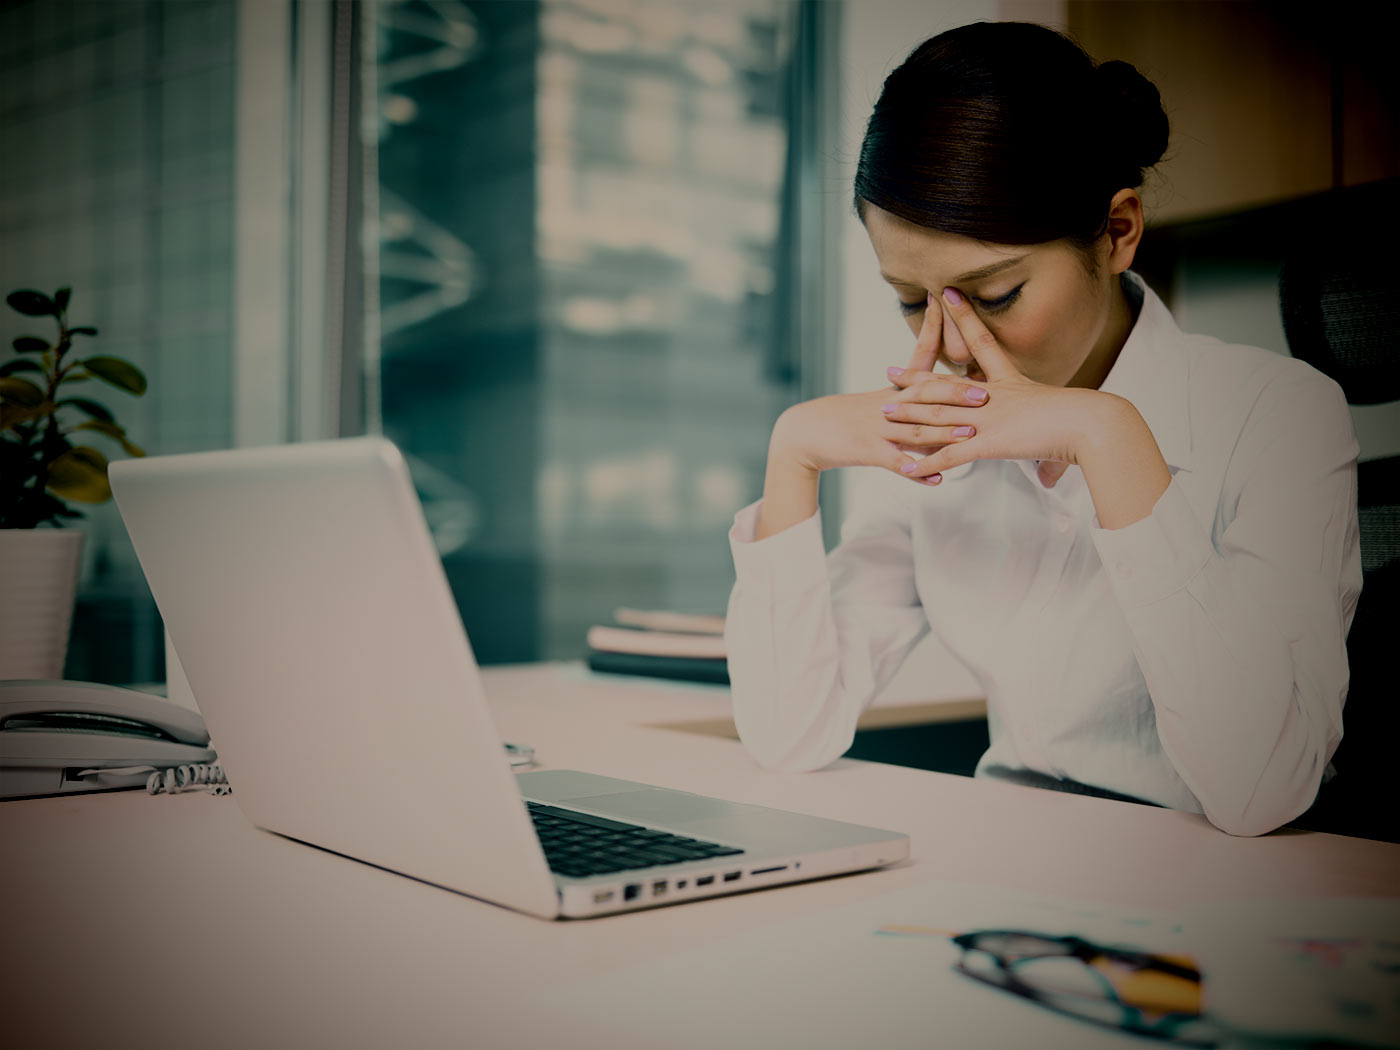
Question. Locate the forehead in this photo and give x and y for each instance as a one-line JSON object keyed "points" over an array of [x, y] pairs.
{"points": [[913, 254]]}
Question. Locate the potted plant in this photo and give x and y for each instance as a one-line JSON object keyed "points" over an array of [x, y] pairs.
{"points": [[44, 467]]}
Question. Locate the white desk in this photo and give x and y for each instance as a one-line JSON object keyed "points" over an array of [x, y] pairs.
{"points": [[144, 921]]}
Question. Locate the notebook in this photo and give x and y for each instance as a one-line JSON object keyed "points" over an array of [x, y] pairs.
{"points": [[310, 612]]}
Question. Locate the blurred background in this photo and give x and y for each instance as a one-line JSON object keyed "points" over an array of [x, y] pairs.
{"points": [[575, 256]]}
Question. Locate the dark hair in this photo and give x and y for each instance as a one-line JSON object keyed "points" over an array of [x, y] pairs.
{"points": [[1007, 132]]}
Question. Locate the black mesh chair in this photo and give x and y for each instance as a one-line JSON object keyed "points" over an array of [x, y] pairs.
{"points": [[1340, 297]]}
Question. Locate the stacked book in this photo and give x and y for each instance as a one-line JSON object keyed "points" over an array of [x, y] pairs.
{"points": [[660, 644]]}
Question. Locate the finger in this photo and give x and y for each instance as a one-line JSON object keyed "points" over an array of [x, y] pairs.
{"points": [[1050, 471], [924, 389], [903, 377], [928, 479], [954, 345], [981, 344], [892, 457], [946, 458], [924, 438], [930, 339]]}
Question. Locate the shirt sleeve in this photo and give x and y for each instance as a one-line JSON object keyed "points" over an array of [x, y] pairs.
{"points": [[811, 639], [1242, 640]]}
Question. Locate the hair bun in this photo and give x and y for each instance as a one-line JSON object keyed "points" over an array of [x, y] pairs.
{"points": [[1134, 109]]}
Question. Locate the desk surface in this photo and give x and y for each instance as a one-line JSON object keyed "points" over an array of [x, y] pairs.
{"points": [[132, 920]]}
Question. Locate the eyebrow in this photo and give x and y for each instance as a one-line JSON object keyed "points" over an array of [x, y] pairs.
{"points": [[971, 275]]}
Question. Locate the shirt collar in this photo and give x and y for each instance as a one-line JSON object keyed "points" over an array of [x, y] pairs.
{"points": [[1150, 372]]}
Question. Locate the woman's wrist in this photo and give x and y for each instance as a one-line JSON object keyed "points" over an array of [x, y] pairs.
{"points": [[1122, 464], [790, 483]]}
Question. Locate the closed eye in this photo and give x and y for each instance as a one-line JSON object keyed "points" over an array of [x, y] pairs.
{"points": [[988, 306], [995, 306]]}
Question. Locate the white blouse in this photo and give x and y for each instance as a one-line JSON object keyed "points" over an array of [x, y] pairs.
{"points": [[1196, 658]]}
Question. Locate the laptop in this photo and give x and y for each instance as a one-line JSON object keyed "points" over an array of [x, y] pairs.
{"points": [[310, 612]]}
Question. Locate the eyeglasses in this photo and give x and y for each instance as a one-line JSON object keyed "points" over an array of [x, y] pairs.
{"points": [[1138, 992]]}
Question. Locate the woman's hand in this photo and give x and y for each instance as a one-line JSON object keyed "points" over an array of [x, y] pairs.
{"points": [[1021, 419], [837, 431], [852, 430]]}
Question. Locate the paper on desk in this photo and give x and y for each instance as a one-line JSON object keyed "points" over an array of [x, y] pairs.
{"points": [[1299, 969], [876, 973]]}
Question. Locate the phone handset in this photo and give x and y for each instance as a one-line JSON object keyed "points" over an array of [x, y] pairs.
{"points": [[68, 737]]}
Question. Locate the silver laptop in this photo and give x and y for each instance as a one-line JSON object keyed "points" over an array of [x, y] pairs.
{"points": [[309, 609]]}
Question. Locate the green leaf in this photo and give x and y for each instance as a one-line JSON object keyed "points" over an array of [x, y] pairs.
{"points": [[61, 297], [30, 344], [121, 374], [20, 392], [83, 330], [32, 303], [17, 415], [22, 364], [116, 433], [80, 474], [94, 409]]}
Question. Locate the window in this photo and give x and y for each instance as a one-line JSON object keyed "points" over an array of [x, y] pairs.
{"points": [[586, 248]]}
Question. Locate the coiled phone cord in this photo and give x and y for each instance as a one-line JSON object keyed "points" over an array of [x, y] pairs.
{"points": [[172, 781]]}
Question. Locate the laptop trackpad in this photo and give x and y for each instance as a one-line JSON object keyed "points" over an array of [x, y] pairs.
{"points": [[656, 806]]}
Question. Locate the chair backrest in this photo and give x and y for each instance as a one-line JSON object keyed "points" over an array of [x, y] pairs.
{"points": [[1340, 297]]}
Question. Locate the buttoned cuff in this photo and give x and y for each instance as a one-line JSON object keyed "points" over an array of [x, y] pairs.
{"points": [[1157, 556], [792, 558]]}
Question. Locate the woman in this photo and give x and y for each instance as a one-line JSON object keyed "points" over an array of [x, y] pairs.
{"points": [[1142, 543]]}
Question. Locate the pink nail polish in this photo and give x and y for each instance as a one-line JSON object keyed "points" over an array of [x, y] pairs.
{"points": [[908, 468], [953, 296], [932, 479], [888, 408], [893, 372], [964, 432], [976, 395]]}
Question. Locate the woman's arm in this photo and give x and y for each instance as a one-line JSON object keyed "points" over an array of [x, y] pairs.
{"points": [[1243, 642], [812, 638]]}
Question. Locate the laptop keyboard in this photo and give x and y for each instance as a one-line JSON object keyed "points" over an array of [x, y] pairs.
{"points": [[579, 844]]}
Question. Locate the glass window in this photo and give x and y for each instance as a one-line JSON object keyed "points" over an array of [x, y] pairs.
{"points": [[117, 125], [583, 231]]}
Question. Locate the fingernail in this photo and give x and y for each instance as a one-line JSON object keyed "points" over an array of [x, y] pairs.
{"points": [[953, 296], [888, 408], [893, 372], [908, 468], [976, 395], [932, 479], [964, 432]]}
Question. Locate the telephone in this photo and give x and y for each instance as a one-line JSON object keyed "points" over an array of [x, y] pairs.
{"points": [[66, 737]]}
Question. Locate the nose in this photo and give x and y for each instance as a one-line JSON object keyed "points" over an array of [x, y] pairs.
{"points": [[954, 345]]}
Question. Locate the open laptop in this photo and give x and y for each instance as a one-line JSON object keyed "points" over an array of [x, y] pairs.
{"points": [[310, 612]]}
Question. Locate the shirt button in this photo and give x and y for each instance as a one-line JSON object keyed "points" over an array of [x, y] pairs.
{"points": [[1062, 526], [1123, 569]]}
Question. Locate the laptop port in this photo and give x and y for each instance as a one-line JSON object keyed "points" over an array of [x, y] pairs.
{"points": [[680, 884], [632, 891], [704, 880], [732, 876], [765, 871], [603, 896], [658, 888]]}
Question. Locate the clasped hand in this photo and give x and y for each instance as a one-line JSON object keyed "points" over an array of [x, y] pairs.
{"points": [[995, 412]]}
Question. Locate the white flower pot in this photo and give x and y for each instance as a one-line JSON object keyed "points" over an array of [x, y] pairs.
{"points": [[38, 582]]}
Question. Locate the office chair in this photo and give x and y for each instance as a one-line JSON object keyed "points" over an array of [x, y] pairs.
{"points": [[1340, 298]]}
